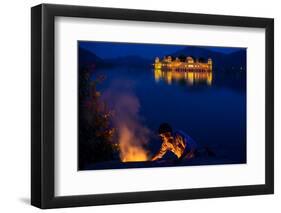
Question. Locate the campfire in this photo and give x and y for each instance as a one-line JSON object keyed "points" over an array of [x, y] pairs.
{"points": [[131, 149], [132, 134]]}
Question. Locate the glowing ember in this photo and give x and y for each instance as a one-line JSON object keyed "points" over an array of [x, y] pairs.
{"points": [[129, 150]]}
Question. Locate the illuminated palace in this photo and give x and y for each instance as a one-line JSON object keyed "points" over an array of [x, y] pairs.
{"points": [[189, 64], [189, 70]]}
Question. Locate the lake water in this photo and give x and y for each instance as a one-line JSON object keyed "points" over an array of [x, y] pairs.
{"points": [[209, 107]]}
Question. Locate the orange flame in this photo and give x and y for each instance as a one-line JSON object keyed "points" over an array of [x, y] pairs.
{"points": [[129, 150], [132, 134]]}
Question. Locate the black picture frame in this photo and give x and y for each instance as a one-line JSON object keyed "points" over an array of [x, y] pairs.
{"points": [[43, 110]]}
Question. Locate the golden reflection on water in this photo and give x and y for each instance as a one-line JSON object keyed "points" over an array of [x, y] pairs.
{"points": [[189, 77]]}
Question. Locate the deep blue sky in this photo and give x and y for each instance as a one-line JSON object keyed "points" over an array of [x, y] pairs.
{"points": [[114, 49]]}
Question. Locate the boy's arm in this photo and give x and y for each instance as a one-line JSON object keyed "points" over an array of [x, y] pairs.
{"points": [[162, 151]]}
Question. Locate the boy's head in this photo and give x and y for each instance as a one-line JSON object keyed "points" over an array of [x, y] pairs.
{"points": [[165, 130]]}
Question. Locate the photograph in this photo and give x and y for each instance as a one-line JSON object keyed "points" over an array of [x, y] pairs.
{"points": [[143, 105]]}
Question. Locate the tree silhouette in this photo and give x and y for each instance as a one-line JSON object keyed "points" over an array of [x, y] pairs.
{"points": [[95, 131]]}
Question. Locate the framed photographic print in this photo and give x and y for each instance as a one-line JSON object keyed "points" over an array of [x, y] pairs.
{"points": [[140, 106]]}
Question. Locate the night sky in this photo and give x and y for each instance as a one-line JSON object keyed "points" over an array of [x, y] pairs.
{"points": [[143, 50]]}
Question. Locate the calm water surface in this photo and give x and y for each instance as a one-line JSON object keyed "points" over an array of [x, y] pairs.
{"points": [[211, 111]]}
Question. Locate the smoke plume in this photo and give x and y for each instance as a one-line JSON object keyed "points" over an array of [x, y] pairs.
{"points": [[132, 134]]}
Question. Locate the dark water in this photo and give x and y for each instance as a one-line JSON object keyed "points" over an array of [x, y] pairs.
{"points": [[210, 108]]}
